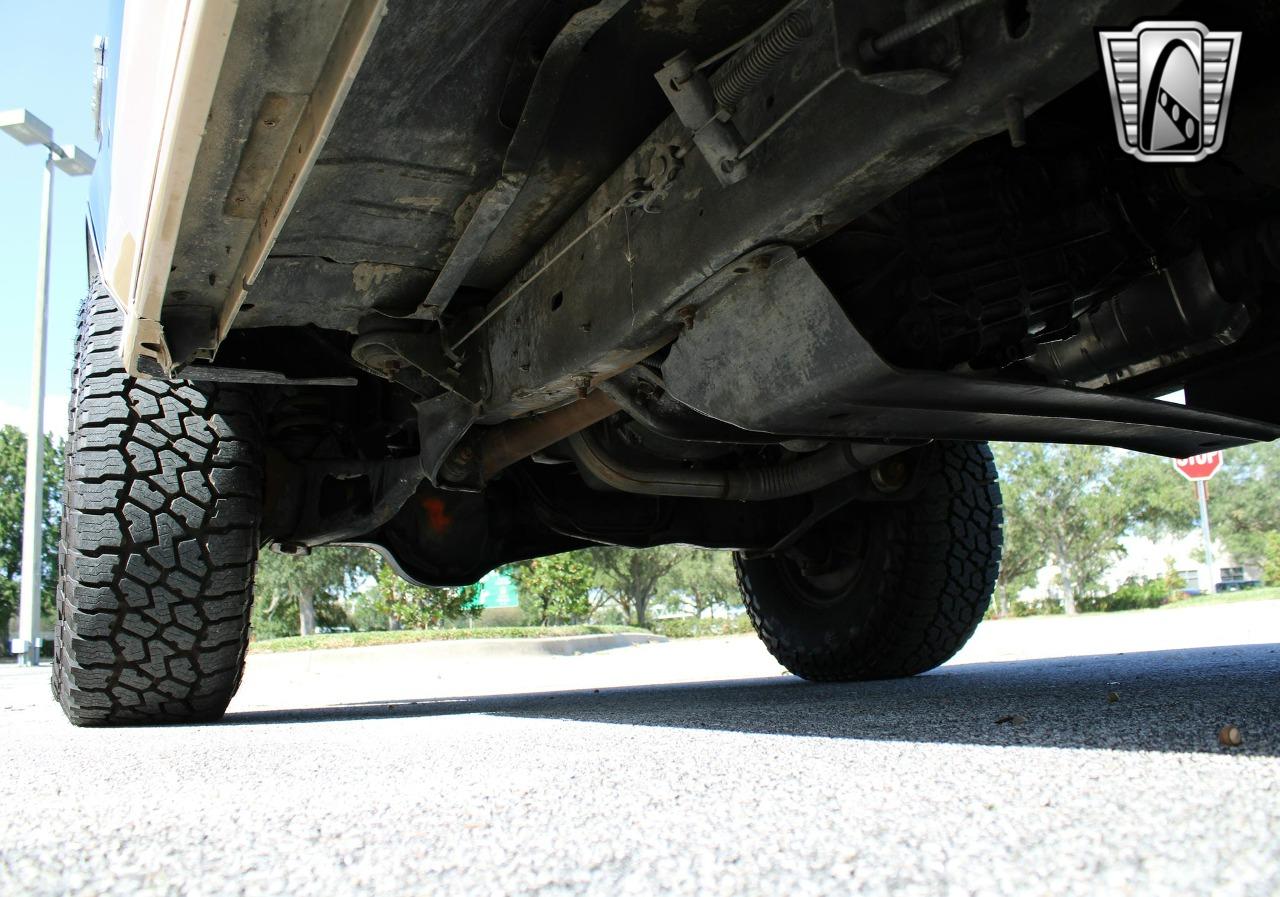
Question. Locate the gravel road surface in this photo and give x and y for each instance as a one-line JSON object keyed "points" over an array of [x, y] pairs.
{"points": [[690, 767]]}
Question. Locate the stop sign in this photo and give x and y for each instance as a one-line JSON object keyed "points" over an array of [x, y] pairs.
{"points": [[1199, 467]]}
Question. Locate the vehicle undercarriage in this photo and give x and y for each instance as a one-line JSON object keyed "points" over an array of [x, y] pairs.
{"points": [[519, 225], [729, 273]]}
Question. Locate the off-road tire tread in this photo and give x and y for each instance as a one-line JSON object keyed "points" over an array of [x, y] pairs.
{"points": [[161, 509], [936, 583]]}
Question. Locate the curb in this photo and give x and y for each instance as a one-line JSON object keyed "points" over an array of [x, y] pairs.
{"points": [[562, 646], [589, 644]]}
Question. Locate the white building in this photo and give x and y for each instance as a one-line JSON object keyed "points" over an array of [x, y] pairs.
{"points": [[1145, 558]]}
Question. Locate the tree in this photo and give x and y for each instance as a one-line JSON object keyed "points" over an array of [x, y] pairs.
{"points": [[1025, 548], [307, 589], [424, 607], [699, 581], [1159, 500], [13, 478], [1242, 504], [1075, 506], [1271, 559], [1242, 500], [554, 590], [631, 576], [1174, 582], [1071, 504]]}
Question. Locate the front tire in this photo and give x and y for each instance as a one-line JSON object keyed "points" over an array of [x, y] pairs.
{"points": [[888, 589], [160, 523]]}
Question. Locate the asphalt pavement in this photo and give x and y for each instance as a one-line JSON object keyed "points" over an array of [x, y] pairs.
{"points": [[1042, 760]]}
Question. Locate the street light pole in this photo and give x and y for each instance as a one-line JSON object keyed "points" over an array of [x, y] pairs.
{"points": [[33, 500], [25, 128]]}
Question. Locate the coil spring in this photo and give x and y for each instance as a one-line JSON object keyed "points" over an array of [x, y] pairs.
{"points": [[746, 73]]}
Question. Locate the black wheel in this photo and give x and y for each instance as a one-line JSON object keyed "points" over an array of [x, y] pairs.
{"points": [[885, 590], [159, 538]]}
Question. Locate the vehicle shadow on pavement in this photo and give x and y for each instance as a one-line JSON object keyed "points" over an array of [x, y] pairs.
{"points": [[1150, 701]]}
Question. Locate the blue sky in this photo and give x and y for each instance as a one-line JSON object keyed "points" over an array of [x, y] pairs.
{"points": [[46, 65]]}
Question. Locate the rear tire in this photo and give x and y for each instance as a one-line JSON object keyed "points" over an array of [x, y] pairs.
{"points": [[886, 590], [161, 512]]}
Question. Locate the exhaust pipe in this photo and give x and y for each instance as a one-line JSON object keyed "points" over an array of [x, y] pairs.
{"points": [[753, 484]]}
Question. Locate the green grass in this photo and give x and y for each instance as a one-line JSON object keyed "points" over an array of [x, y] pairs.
{"points": [[407, 636], [1268, 594]]}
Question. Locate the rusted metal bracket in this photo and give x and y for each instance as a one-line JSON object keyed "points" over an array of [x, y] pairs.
{"points": [[694, 101], [420, 362]]}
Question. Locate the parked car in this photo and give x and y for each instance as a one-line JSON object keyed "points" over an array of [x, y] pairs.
{"points": [[1238, 585], [468, 283]]}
